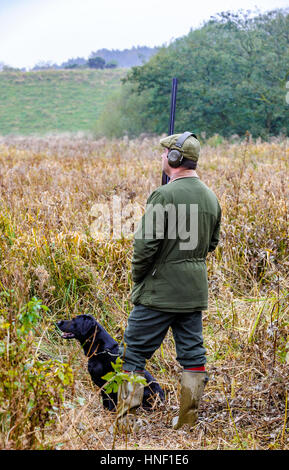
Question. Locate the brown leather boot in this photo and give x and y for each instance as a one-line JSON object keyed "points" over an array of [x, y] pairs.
{"points": [[192, 388]]}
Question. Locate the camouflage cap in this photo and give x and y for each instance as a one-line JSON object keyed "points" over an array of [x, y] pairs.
{"points": [[190, 148]]}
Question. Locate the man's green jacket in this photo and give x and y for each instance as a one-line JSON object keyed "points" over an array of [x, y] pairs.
{"points": [[180, 226]]}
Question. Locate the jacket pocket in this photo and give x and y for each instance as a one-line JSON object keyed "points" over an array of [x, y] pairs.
{"points": [[183, 281], [137, 292]]}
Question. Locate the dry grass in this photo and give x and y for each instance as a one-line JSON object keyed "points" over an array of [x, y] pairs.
{"points": [[48, 187]]}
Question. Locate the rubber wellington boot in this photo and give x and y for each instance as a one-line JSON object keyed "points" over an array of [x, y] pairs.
{"points": [[129, 397], [192, 388]]}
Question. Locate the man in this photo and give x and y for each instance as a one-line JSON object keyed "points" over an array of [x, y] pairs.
{"points": [[180, 226]]}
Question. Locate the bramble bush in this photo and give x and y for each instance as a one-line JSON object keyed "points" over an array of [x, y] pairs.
{"points": [[31, 389]]}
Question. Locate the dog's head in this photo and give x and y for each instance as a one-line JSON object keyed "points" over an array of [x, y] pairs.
{"points": [[81, 327]]}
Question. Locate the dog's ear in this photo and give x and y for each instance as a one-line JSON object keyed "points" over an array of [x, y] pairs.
{"points": [[87, 325]]}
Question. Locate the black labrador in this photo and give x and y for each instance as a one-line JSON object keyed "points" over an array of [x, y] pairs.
{"points": [[101, 350]]}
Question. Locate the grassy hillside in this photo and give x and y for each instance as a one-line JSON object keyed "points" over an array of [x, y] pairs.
{"points": [[54, 100]]}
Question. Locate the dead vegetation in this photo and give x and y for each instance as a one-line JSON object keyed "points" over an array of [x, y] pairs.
{"points": [[48, 187]]}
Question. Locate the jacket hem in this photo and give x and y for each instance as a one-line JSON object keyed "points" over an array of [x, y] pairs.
{"points": [[171, 309]]}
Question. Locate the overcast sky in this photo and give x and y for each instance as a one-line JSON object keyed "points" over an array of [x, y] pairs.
{"points": [[56, 30]]}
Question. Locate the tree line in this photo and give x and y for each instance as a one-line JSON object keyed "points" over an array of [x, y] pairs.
{"points": [[99, 59], [232, 76]]}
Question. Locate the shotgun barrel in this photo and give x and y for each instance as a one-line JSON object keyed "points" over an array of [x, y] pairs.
{"points": [[165, 178]]}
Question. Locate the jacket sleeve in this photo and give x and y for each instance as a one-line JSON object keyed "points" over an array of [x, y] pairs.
{"points": [[148, 238], [216, 233]]}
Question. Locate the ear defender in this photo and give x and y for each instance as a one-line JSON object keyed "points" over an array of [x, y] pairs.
{"points": [[175, 156]]}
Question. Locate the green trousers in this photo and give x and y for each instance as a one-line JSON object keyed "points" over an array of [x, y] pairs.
{"points": [[147, 329]]}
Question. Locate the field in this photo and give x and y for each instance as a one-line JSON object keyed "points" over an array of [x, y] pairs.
{"points": [[53, 268], [49, 101]]}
